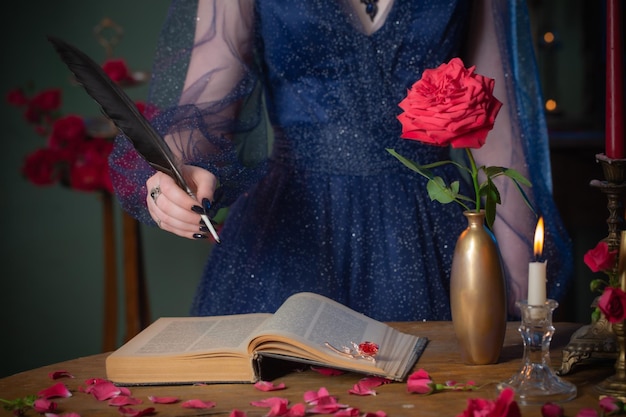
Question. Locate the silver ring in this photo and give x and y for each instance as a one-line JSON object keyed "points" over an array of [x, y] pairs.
{"points": [[155, 193]]}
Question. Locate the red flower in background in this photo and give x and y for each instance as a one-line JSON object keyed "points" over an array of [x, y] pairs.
{"points": [[117, 70]]}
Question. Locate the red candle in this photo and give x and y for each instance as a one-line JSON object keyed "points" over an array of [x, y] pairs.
{"points": [[614, 128]]}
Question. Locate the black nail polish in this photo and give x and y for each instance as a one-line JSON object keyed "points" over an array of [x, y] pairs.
{"points": [[204, 229], [197, 210], [199, 236], [206, 204]]}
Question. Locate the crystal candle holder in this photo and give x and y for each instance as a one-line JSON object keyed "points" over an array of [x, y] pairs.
{"points": [[537, 383]]}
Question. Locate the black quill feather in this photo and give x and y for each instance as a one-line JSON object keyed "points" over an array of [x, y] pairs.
{"points": [[118, 107]]}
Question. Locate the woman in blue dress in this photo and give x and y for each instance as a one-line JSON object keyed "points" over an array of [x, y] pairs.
{"points": [[282, 110]]}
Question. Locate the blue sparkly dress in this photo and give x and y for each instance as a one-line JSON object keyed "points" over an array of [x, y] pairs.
{"points": [[298, 141]]}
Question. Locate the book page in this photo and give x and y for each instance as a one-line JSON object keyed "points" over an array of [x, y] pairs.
{"points": [[194, 335]]}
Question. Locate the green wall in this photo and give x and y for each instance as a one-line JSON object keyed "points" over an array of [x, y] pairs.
{"points": [[51, 262]]}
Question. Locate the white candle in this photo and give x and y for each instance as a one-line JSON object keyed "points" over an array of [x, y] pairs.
{"points": [[537, 271]]}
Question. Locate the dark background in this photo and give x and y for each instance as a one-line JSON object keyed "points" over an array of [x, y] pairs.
{"points": [[51, 260]]}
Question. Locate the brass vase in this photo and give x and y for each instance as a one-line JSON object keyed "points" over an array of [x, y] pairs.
{"points": [[478, 293]]}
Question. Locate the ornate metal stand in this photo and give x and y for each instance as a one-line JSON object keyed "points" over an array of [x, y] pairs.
{"points": [[536, 382], [597, 340]]}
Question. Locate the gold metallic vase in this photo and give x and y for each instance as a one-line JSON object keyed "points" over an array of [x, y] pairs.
{"points": [[478, 293]]}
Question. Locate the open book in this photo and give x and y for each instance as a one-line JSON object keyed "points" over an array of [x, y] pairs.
{"points": [[252, 347]]}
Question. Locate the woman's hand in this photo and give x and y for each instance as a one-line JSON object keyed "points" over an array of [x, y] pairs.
{"points": [[173, 209]]}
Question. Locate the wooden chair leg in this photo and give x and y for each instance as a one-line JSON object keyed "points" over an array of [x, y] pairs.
{"points": [[137, 306], [109, 337]]}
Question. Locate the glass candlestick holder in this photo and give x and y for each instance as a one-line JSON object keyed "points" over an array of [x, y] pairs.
{"points": [[537, 383]]}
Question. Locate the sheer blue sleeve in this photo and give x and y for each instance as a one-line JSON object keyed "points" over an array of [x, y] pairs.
{"points": [[206, 101], [504, 51]]}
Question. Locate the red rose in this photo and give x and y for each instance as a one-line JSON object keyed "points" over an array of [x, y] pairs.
{"points": [[47, 100], [450, 105], [600, 258], [612, 303], [17, 97], [420, 382], [67, 131], [504, 406], [40, 167], [117, 70]]}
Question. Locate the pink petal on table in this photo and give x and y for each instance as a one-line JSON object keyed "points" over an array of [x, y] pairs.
{"points": [[359, 389], [122, 400], [311, 397], [297, 410], [268, 386], [60, 374], [374, 381], [277, 405], [237, 413], [103, 391], [42, 405], [195, 403], [163, 400], [327, 371], [348, 412], [327, 405], [587, 412], [131, 412], [57, 390]]}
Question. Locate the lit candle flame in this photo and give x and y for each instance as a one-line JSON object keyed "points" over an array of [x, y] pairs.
{"points": [[538, 247]]}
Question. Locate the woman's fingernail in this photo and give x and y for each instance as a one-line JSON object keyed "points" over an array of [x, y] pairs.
{"points": [[197, 210], [204, 229], [199, 236], [206, 204]]}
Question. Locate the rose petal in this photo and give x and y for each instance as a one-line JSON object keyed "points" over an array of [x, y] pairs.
{"points": [[551, 410], [163, 400], [195, 403], [131, 412], [327, 371], [348, 412], [57, 390], [122, 400], [311, 397], [297, 410], [42, 405], [237, 413], [104, 390], [277, 405], [60, 374], [268, 386], [359, 389]]}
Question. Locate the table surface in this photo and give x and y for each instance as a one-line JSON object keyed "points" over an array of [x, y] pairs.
{"points": [[441, 360]]}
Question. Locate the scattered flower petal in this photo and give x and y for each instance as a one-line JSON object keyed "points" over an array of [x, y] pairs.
{"points": [[57, 390], [195, 403], [311, 397], [104, 390], [268, 386], [277, 405], [42, 405], [327, 371], [610, 404], [122, 400], [503, 406], [348, 412], [237, 413], [297, 410], [60, 374], [359, 389], [163, 400], [551, 410], [131, 412]]}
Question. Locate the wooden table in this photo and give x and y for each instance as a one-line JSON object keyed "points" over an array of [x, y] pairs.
{"points": [[441, 360]]}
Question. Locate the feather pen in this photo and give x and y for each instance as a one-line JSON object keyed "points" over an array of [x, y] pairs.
{"points": [[123, 112]]}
